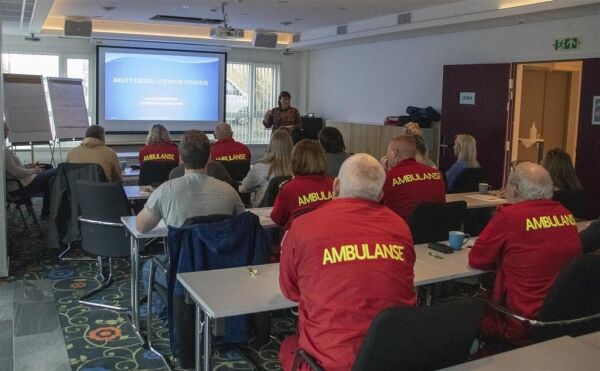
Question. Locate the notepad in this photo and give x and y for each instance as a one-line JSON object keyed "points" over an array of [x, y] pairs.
{"points": [[487, 198]]}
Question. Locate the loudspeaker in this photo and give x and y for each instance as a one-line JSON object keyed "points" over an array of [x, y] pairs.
{"points": [[78, 27], [265, 39]]}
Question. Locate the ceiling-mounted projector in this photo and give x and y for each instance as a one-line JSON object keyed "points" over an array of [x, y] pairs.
{"points": [[226, 33]]}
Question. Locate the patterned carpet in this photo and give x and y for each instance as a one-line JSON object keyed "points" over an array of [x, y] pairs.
{"points": [[100, 339]]}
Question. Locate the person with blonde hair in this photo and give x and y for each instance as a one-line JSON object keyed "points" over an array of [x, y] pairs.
{"points": [[276, 162], [309, 187], [159, 146], [465, 149]]}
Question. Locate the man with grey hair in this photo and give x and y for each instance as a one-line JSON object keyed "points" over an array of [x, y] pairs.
{"points": [[527, 243], [226, 148], [343, 263]]}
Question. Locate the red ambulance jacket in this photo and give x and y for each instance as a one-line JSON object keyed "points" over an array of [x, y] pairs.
{"points": [[300, 195], [527, 244], [345, 262], [229, 150], [159, 152], [410, 183]]}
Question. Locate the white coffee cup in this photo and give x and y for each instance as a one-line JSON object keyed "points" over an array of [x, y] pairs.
{"points": [[484, 188]]}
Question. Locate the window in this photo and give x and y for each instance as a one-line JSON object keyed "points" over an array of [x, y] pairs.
{"points": [[80, 69], [252, 89]]}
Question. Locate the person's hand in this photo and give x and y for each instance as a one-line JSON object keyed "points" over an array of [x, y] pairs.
{"points": [[37, 169], [385, 162], [268, 115]]}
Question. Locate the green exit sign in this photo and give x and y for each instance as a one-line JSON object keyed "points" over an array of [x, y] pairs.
{"points": [[567, 43]]}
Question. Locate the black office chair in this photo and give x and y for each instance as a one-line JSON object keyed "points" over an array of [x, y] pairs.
{"points": [[431, 222], [574, 201], [183, 316], [272, 190], [17, 199], [572, 305], [418, 338], [237, 169], [155, 173], [103, 234], [468, 180]]}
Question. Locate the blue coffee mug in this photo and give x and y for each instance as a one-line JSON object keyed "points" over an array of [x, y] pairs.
{"points": [[457, 239]]}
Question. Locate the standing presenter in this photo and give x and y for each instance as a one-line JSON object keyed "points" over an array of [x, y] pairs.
{"points": [[284, 115]]}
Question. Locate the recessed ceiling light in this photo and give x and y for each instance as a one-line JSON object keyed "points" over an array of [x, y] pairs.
{"points": [[109, 8], [286, 23], [185, 6]]}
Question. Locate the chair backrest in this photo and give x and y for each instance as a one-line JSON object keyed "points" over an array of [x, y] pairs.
{"points": [[431, 222], [574, 294], [103, 203], [272, 190], [237, 169], [421, 338], [236, 241], [468, 180], [574, 201], [206, 219], [63, 224], [155, 173]]}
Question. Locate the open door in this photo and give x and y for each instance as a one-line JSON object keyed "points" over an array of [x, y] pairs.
{"points": [[588, 136], [475, 100]]}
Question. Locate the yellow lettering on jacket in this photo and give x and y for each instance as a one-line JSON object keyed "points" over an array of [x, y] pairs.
{"points": [[159, 156], [363, 251], [417, 177], [549, 221], [234, 157], [314, 197]]}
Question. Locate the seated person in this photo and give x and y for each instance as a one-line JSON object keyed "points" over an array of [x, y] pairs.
{"points": [[93, 150], [194, 194], [308, 189], [345, 262], [159, 146], [559, 165], [332, 142], [527, 243], [465, 149], [35, 179], [409, 183], [276, 162], [422, 156], [226, 148]]}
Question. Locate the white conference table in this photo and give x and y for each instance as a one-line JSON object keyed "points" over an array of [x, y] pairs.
{"points": [[253, 294], [564, 353]]}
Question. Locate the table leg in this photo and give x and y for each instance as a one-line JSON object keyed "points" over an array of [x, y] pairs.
{"points": [[135, 300], [198, 337], [207, 341]]}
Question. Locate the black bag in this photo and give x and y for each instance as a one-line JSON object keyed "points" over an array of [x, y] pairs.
{"points": [[428, 113]]}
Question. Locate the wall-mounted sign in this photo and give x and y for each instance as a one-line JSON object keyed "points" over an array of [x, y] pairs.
{"points": [[467, 97], [596, 111], [567, 43]]}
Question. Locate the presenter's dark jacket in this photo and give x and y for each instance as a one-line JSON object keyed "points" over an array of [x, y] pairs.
{"points": [[228, 149], [409, 184], [159, 152], [590, 237], [526, 244], [344, 262], [300, 195], [280, 118]]}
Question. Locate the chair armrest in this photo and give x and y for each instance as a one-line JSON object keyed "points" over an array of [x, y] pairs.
{"points": [[538, 323], [302, 355], [100, 222]]}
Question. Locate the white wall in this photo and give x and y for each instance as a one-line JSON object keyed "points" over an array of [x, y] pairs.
{"points": [[366, 83], [73, 47]]}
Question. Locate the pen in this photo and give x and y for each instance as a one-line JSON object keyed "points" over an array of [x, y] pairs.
{"points": [[436, 255]]}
